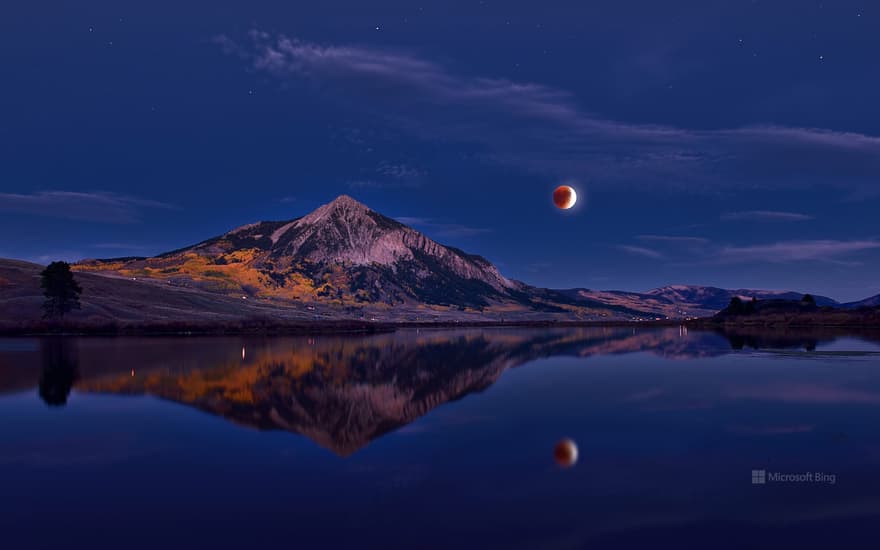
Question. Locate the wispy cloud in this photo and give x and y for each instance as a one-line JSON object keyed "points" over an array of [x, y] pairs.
{"points": [[544, 129], [391, 176], [641, 251], [72, 205], [690, 250], [674, 239], [372, 183], [123, 246], [442, 228], [399, 171], [766, 215], [795, 251], [536, 267]]}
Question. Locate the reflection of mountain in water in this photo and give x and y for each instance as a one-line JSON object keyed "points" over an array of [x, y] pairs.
{"points": [[343, 392]]}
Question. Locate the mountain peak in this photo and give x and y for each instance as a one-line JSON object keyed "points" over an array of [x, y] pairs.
{"points": [[342, 252], [342, 207], [345, 200]]}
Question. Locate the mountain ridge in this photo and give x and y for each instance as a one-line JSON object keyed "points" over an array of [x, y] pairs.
{"points": [[347, 254], [342, 261]]}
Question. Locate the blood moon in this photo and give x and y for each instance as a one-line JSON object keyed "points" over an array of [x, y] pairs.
{"points": [[565, 453], [564, 197]]}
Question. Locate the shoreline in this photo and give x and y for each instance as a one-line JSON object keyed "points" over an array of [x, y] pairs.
{"points": [[312, 327], [262, 328]]}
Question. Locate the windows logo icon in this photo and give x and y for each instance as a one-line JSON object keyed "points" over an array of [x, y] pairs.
{"points": [[759, 477]]}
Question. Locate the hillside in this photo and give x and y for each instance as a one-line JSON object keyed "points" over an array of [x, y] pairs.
{"points": [[873, 301], [791, 313], [683, 301]]}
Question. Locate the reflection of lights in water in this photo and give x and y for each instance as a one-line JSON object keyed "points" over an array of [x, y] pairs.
{"points": [[132, 373], [242, 352], [566, 453]]}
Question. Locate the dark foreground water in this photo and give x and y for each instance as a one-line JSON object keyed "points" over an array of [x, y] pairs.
{"points": [[441, 439]]}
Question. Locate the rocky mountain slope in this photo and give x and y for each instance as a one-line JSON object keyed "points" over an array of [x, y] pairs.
{"points": [[346, 255]]}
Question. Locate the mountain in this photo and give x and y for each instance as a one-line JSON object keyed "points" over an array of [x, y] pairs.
{"points": [[873, 301], [346, 255], [718, 298], [342, 263], [683, 301]]}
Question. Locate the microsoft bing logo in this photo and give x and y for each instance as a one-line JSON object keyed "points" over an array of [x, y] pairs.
{"points": [[763, 477]]}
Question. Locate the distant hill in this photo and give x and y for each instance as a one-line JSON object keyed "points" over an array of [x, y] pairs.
{"points": [[873, 301], [683, 301], [791, 313]]}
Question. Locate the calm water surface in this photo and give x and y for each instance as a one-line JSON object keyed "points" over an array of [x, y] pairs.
{"points": [[441, 438]]}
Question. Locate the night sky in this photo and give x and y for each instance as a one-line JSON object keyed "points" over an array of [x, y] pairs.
{"points": [[727, 143]]}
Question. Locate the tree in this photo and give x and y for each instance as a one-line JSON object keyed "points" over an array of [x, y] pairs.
{"points": [[808, 300], [735, 306], [60, 289]]}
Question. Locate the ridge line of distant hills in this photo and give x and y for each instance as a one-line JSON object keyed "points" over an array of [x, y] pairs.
{"points": [[343, 266]]}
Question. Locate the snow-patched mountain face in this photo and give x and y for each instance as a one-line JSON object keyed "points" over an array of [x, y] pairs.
{"points": [[348, 232], [343, 252], [382, 258]]}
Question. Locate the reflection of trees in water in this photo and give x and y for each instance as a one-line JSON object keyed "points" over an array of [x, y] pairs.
{"points": [[794, 339], [60, 370]]}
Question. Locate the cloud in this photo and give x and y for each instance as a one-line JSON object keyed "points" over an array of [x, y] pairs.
{"points": [[543, 129], [766, 215], [702, 251], [442, 228], [536, 267], [72, 205], [391, 176], [674, 239], [641, 251], [381, 184], [794, 251], [399, 171], [125, 246]]}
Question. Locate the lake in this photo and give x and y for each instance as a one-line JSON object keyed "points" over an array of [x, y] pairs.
{"points": [[442, 438]]}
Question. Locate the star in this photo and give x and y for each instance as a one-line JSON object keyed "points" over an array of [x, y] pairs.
{"points": [[821, 58], [377, 27]]}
